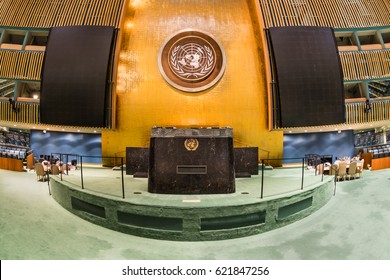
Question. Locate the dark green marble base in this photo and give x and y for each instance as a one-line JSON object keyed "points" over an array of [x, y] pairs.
{"points": [[191, 222]]}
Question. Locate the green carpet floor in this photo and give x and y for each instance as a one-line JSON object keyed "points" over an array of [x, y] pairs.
{"points": [[354, 225]]}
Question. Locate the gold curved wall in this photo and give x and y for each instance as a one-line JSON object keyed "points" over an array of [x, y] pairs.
{"points": [[145, 99]]}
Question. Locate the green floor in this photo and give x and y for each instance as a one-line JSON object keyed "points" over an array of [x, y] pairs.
{"points": [[355, 224]]}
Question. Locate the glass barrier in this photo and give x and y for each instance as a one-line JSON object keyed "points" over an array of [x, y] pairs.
{"points": [[300, 175], [272, 180]]}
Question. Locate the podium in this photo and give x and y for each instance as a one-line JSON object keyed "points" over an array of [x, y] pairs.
{"points": [[191, 161], [30, 162]]}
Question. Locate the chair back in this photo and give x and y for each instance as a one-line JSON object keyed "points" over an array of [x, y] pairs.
{"points": [[333, 169], [352, 168], [55, 170], [39, 169], [342, 168], [319, 169], [361, 164]]}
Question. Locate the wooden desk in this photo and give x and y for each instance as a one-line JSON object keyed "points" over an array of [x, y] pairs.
{"points": [[367, 159], [30, 161], [380, 163], [11, 164]]}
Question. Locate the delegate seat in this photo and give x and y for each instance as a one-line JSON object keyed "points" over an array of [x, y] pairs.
{"points": [[360, 168], [352, 171], [55, 170], [41, 174], [342, 171], [333, 170]]}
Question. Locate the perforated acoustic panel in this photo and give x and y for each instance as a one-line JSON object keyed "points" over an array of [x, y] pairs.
{"points": [[309, 76], [74, 84]]}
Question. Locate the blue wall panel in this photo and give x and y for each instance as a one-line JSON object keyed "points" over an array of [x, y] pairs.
{"points": [[67, 143], [325, 143]]}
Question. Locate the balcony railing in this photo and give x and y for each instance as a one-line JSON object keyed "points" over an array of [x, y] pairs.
{"points": [[45, 14], [23, 65], [337, 14], [356, 112], [21, 112], [365, 65]]}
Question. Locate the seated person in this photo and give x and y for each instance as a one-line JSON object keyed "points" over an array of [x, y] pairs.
{"points": [[46, 165], [61, 166], [357, 159]]}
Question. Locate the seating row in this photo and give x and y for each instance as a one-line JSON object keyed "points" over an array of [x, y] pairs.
{"points": [[380, 151], [342, 169], [12, 152]]}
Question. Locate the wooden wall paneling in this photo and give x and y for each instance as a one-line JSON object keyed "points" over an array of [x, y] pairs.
{"points": [[19, 65], [13, 63], [80, 13], [321, 13], [306, 15], [3, 64], [43, 10], [118, 15], [319, 16], [265, 10], [386, 62], [105, 13], [13, 9], [275, 14], [333, 13], [291, 13], [92, 12], [99, 13], [340, 16], [17, 21], [77, 12]]}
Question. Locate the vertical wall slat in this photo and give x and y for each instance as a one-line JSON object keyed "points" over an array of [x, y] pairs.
{"points": [[336, 14]]}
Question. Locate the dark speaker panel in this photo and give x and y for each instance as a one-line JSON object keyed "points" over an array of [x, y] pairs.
{"points": [[309, 76], [75, 73]]}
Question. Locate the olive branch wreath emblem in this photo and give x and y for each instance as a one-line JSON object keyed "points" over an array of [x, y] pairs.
{"points": [[203, 72]]}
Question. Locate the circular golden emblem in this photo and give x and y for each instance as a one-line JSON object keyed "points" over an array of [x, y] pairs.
{"points": [[192, 61], [191, 144]]}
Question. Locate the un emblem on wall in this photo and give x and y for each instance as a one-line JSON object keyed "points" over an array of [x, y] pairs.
{"points": [[192, 61]]}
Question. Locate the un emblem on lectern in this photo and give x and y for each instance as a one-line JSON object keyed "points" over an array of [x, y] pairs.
{"points": [[192, 61], [191, 144]]}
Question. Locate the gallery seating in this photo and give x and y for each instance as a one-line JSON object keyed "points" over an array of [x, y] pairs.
{"points": [[12, 152]]}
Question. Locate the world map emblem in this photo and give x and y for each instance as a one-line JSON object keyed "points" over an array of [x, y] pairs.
{"points": [[192, 61]]}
